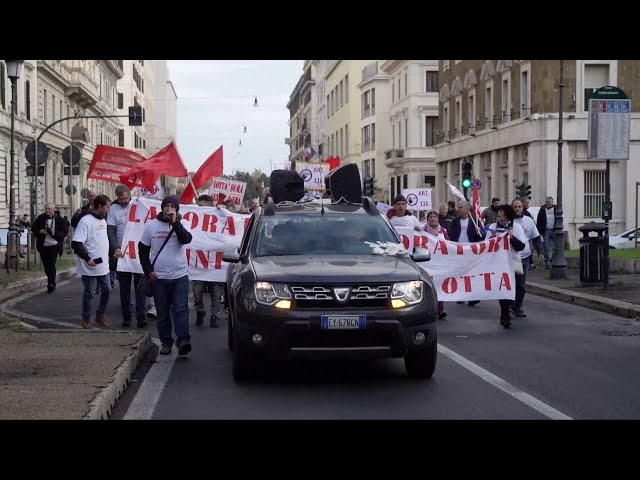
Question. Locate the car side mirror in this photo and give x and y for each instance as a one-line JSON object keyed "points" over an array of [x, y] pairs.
{"points": [[231, 256], [421, 254]]}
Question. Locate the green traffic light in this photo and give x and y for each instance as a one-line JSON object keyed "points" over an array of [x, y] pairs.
{"points": [[466, 183]]}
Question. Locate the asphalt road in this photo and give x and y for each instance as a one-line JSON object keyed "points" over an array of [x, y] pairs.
{"points": [[560, 362]]}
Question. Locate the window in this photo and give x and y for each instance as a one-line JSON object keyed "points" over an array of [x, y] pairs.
{"points": [[506, 98], [458, 116], [68, 123], [346, 138], [366, 167], [120, 100], [595, 76], [393, 135], [373, 101], [525, 93], [472, 112], [3, 100], [406, 133], [399, 95], [366, 138], [429, 181], [341, 143], [431, 81], [332, 103], [144, 114], [393, 92], [327, 106], [488, 107], [121, 137], [346, 88], [44, 107], [53, 108], [365, 104], [27, 99], [392, 189], [430, 129], [406, 92], [593, 193], [445, 122], [400, 134], [405, 181], [341, 92], [398, 185], [373, 136]]}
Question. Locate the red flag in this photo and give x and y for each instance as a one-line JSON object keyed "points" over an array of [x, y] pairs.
{"points": [[109, 163], [167, 161], [212, 167]]}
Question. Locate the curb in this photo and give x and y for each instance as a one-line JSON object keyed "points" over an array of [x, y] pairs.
{"points": [[100, 407], [614, 307], [24, 286]]}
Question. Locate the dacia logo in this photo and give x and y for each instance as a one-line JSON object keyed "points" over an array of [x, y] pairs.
{"points": [[342, 294]]}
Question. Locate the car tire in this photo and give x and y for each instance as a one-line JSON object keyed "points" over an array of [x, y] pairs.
{"points": [[244, 361], [422, 364]]}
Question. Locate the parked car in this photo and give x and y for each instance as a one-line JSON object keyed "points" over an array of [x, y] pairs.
{"points": [[624, 240]]}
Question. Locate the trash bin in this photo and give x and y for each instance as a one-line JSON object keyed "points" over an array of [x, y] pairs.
{"points": [[592, 253]]}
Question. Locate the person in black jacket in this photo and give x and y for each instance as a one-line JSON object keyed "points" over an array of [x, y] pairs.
{"points": [[50, 230], [546, 222], [81, 212]]}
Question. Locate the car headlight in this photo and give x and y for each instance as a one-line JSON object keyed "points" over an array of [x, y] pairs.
{"points": [[271, 294], [406, 293]]}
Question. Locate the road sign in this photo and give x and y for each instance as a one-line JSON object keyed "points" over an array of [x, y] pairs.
{"points": [[71, 155], [30, 153], [31, 170], [609, 124], [73, 189], [477, 183]]}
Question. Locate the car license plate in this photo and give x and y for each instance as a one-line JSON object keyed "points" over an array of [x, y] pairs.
{"points": [[342, 322]]}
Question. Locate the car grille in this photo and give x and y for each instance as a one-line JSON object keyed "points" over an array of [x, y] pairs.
{"points": [[341, 339], [325, 296]]}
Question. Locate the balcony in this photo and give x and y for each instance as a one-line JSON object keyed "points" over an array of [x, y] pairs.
{"points": [[368, 111], [395, 153], [368, 147], [56, 68], [370, 70], [82, 89]]}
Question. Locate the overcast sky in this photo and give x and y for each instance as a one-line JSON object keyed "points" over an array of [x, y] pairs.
{"points": [[215, 103]]}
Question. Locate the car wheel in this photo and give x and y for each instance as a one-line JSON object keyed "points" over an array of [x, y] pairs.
{"points": [[422, 364], [244, 363]]}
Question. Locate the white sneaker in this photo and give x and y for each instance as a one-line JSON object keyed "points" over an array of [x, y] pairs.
{"points": [[152, 313]]}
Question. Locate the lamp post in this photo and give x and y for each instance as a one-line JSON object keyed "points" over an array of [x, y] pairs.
{"points": [[558, 260], [14, 69], [79, 137]]}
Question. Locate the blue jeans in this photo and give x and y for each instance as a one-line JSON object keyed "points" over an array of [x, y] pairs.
{"points": [[548, 240], [172, 299], [124, 282], [521, 280], [105, 292]]}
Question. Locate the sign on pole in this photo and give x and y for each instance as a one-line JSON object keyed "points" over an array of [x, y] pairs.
{"points": [[418, 198], [609, 124]]}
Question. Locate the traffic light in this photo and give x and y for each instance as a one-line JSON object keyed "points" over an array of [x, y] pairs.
{"points": [[33, 198], [467, 174], [135, 116], [523, 191], [369, 186], [527, 191]]}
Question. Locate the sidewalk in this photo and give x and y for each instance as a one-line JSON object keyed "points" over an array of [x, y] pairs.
{"points": [[621, 298], [62, 373]]}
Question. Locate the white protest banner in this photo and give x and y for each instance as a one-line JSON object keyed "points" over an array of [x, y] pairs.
{"points": [[213, 229], [466, 271], [313, 174], [418, 198], [231, 189], [456, 191]]}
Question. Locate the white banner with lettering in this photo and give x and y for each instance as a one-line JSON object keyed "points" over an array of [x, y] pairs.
{"points": [[231, 189], [214, 230], [466, 271]]}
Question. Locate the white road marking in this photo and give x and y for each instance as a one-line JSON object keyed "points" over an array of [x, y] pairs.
{"points": [[148, 395], [540, 406]]}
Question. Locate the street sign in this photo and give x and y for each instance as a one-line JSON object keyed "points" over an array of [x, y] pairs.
{"points": [[31, 169], [73, 189], [71, 155], [30, 153], [609, 124], [477, 183]]}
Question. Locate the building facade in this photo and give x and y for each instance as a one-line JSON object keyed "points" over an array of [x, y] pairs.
{"points": [[502, 116], [375, 99], [343, 110], [48, 91], [413, 115], [296, 139]]}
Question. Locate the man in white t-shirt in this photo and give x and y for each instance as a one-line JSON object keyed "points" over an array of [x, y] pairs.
{"points": [[399, 216], [533, 237], [168, 273], [91, 245]]}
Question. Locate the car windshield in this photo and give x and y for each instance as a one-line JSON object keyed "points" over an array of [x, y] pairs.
{"points": [[315, 234]]}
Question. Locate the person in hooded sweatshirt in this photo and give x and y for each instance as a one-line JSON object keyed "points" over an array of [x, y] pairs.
{"points": [[169, 275], [399, 216]]}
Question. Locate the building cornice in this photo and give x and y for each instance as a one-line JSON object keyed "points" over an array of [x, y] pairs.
{"points": [[391, 65]]}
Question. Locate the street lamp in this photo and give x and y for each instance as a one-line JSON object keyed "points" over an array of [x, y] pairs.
{"points": [[79, 138], [558, 260], [14, 69]]}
